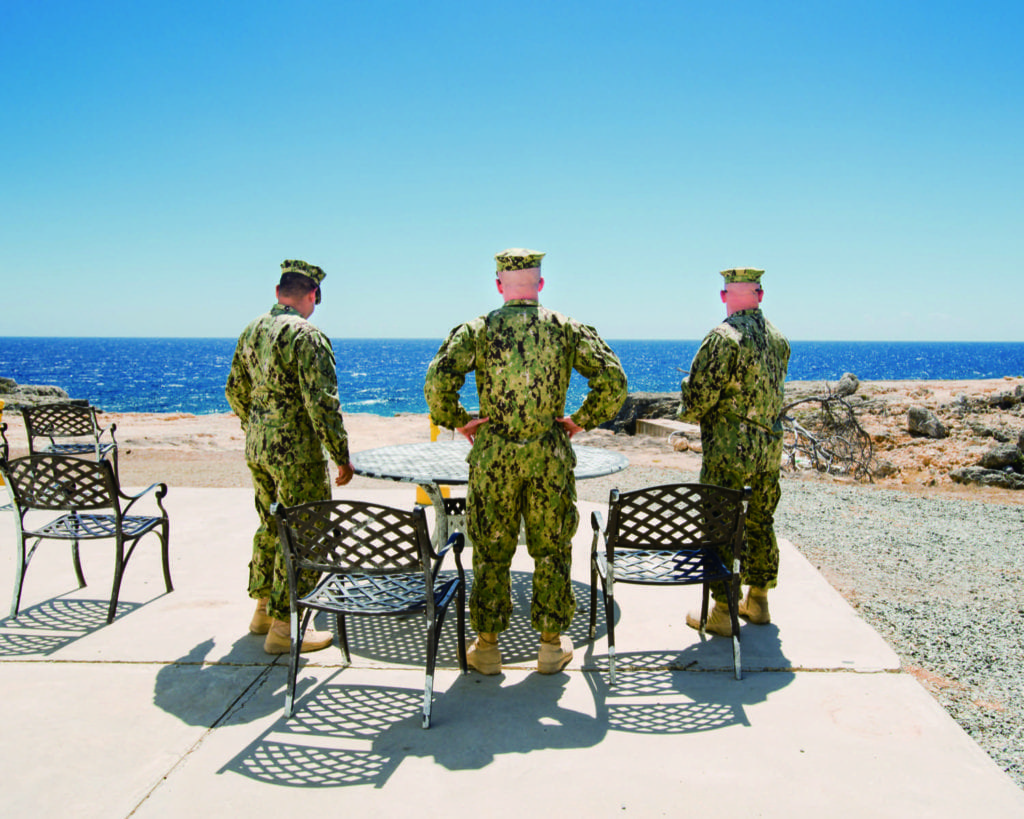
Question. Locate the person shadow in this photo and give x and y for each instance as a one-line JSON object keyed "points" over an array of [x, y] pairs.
{"points": [[209, 693], [348, 731]]}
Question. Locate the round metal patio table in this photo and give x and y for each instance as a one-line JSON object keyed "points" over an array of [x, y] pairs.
{"points": [[432, 464]]}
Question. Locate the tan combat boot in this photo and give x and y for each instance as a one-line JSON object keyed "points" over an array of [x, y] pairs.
{"points": [[260, 623], [279, 639], [755, 606], [719, 622], [483, 654], [555, 652]]}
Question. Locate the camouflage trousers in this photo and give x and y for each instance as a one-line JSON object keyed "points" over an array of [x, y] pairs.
{"points": [[533, 482], [760, 564], [268, 577]]}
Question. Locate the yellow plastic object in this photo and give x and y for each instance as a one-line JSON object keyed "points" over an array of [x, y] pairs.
{"points": [[421, 496]]}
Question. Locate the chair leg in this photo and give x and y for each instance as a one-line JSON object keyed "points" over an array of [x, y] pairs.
{"points": [[734, 616], [593, 596], [339, 618], [460, 624], [119, 562], [293, 657], [19, 579], [428, 683], [165, 545], [77, 561], [608, 593]]}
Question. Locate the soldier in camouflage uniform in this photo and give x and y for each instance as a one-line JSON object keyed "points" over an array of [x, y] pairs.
{"points": [[284, 388], [521, 463], [735, 392]]}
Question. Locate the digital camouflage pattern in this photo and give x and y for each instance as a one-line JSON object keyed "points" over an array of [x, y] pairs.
{"points": [[308, 270], [284, 389], [735, 392], [521, 463], [518, 258], [742, 274], [268, 576]]}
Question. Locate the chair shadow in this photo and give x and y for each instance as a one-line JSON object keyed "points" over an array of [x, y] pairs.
{"points": [[343, 735], [401, 639], [53, 624]]}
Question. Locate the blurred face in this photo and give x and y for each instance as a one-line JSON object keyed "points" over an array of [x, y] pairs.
{"points": [[741, 296]]}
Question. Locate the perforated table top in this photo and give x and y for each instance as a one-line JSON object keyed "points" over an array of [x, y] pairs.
{"points": [[444, 462]]}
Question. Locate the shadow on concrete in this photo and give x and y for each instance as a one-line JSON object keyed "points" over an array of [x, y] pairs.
{"points": [[49, 626], [209, 693]]}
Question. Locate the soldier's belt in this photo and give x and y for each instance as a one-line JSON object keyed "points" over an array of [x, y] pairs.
{"points": [[502, 433]]}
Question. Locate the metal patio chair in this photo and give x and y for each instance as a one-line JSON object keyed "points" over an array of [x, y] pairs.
{"points": [[68, 429], [4, 451], [670, 535], [372, 560], [92, 506]]}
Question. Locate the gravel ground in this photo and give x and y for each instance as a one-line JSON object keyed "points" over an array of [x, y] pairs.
{"points": [[939, 578]]}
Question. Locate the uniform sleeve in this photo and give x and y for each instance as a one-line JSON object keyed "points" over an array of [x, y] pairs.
{"points": [[238, 389], [606, 379], [318, 380], [446, 375], [710, 371]]}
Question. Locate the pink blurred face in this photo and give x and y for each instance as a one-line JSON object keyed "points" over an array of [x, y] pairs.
{"points": [[741, 296]]}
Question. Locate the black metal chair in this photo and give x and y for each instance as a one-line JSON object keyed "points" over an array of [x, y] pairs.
{"points": [[68, 429], [372, 560], [669, 535], [92, 507], [4, 451]]}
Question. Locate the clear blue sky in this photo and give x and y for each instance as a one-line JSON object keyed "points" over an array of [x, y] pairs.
{"points": [[159, 160]]}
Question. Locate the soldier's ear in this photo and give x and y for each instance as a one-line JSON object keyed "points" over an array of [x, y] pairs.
{"points": [[540, 284], [500, 288]]}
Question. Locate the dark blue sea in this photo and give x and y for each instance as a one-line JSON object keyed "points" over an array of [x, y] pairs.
{"points": [[385, 376]]}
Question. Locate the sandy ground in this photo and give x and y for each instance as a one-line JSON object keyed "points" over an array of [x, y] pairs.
{"points": [[208, 450]]}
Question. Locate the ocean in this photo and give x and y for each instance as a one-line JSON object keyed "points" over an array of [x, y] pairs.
{"points": [[385, 376]]}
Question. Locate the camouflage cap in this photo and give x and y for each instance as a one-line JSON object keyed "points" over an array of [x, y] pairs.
{"points": [[742, 274], [518, 258], [310, 271]]}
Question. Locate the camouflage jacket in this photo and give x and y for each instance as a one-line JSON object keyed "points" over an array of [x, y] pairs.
{"points": [[284, 388], [523, 355], [735, 392]]}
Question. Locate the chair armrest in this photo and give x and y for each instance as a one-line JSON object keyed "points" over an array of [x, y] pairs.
{"points": [[456, 543], [597, 524], [112, 428], [161, 493]]}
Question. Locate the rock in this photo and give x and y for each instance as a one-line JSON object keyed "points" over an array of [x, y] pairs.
{"points": [[643, 405], [885, 469], [680, 444], [987, 477], [847, 385], [17, 397], [921, 421], [1005, 456], [1020, 441]]}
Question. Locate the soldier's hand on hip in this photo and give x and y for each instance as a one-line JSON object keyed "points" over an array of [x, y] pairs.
{"points": [[344, 475], [570, 426], [470, 429]]}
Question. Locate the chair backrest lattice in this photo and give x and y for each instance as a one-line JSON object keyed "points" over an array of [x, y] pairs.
{"points": [[352, 537], [60, 420], [59, 482], [674, 516]]}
